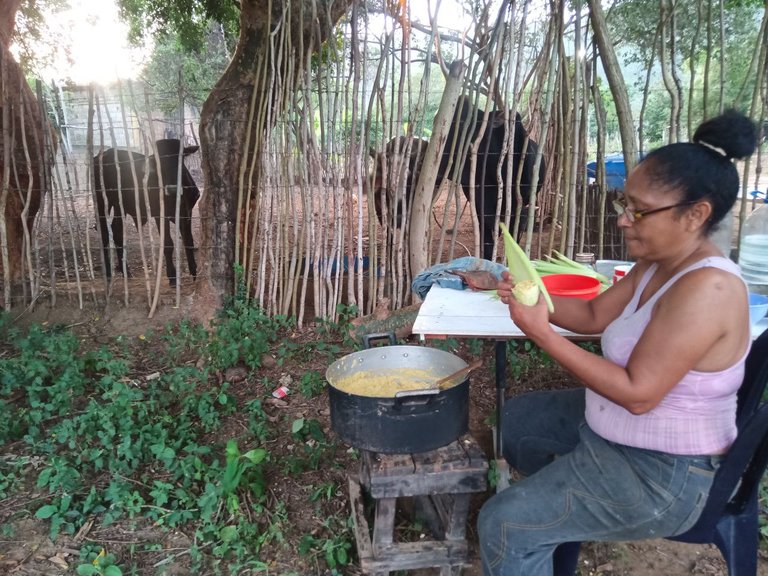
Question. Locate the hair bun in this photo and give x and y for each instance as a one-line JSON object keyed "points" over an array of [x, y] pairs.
{"points": [[731, 134]]}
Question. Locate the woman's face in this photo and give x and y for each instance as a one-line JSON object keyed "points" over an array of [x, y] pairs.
{"points": [[658, 227]]}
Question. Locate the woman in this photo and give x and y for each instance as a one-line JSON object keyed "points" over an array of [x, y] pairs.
{"points": [[633, 456]]}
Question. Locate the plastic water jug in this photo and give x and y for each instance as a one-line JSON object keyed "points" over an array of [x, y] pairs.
{"points": [[753, 251]]}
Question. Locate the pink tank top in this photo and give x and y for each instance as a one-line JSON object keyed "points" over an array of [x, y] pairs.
{"points": [[696, 417]]}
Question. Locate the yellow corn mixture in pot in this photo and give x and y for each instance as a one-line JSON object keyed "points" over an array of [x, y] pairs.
{"points": [[386, 383]]}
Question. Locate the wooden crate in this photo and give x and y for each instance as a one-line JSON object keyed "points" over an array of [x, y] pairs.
{"points": [[441, 483]]}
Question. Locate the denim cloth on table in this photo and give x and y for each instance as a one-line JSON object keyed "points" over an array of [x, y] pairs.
{"points": [[581, 487], [438, 274]]}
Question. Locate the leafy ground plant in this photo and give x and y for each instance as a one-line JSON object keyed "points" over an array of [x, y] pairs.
{"points": [[100, 437]]}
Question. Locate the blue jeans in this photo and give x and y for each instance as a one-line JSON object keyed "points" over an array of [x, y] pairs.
{"points": [[581, 487]]}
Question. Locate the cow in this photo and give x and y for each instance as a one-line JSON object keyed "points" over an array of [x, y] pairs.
{"points": [[388, 167], [466, 125], [455, 164], [116, 191]]}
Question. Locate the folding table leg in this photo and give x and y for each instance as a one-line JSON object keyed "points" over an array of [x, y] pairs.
{"points": [[501, 385]]}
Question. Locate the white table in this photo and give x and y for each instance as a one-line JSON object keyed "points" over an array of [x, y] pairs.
{"points": [[446, 312], [463, 313]]}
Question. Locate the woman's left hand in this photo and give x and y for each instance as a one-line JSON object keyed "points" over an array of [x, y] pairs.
{"points": [[532, 320]]}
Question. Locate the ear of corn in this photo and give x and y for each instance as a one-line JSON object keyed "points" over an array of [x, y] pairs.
{"points": [[520, 266], [526, 292]]}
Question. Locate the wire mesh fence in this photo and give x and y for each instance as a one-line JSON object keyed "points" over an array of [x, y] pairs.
{"points": [[324, 201]]}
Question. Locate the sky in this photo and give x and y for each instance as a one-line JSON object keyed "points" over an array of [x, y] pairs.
{"points": [[99, 46]]}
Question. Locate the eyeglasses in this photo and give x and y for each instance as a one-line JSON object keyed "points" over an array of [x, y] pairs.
{"points": [[620, 207]]}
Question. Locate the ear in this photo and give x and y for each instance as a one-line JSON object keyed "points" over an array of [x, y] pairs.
{"points": [[699, 214]]}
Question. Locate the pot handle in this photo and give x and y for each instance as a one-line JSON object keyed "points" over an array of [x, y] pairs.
{"points": [[423, 396], [367, 338]]}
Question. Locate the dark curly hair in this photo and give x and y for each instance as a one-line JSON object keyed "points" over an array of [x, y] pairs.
{"points": [[703, 169]]}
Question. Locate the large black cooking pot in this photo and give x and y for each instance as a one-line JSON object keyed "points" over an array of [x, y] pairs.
{"points": [[415, 421]]}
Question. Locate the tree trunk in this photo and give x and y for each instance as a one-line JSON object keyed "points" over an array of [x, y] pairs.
{"points": [[25, 156], [615, 82], [423, 193], [8, 9], [666, 59], [231, 127]]}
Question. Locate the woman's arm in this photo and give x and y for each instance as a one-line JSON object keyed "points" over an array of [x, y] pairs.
{"points": [[679, 338]]}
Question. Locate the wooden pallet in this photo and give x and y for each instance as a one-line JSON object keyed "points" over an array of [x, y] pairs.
{"points": [[441, 483]]}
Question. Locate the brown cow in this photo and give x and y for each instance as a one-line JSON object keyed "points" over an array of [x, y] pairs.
{"points": [[23, 163]]}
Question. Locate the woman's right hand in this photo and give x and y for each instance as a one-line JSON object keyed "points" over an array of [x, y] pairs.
{"points": [[532, 320]]}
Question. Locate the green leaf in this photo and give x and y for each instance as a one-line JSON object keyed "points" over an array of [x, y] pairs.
{"points": [[297, 425], [45, 475], [232, 451], [228, 533], [87, 570], [256, 455], [46, 511], [113, 571]]}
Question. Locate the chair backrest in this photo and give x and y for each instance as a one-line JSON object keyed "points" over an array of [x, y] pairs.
{"points": [[755, 379], [746, 461]]}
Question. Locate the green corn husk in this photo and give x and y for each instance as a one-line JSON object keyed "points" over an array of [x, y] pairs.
{"points": [[561, 264]]}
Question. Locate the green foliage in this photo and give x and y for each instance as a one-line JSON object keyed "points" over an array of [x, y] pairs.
{"points": [[763, 498], [36, 40], [342, 327], [99, 442], [78, 416], [242, 333], [524, 357], [633, 25], [333, 542], [199, 70], [312, 384], [96, 561], [190, 21], [312, 447]]}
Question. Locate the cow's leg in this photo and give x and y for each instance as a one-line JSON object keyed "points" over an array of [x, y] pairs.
{"points": [[104, 230], [489, 235], [185, 230], [117, 236], [485, 205], [170, 267]]}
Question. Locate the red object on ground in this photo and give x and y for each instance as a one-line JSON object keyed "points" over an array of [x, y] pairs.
{"points": [[572, 285]]}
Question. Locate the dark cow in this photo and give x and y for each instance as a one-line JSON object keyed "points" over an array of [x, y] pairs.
{"points": [[106, 179], [455, 164], [466, 125], [388, 171]]}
